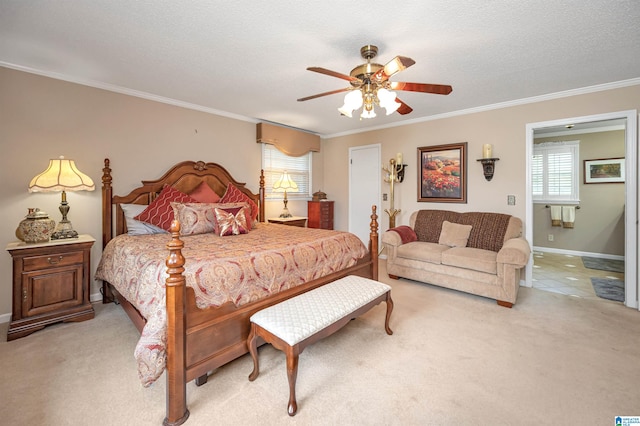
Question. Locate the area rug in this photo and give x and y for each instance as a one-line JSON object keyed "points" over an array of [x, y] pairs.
{"points": [[601, 264], [608, 289]]}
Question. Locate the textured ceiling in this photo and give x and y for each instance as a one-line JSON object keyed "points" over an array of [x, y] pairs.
{"points": [[248, 59]]}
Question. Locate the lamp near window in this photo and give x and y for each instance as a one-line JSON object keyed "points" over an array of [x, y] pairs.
{"points": [[284, 183], [62, 175]]}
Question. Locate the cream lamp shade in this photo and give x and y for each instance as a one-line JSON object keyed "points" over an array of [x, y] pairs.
{"points": [[284, 184], [62, 175]]}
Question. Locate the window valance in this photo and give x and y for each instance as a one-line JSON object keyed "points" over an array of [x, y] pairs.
{"points": [[289, 141]]}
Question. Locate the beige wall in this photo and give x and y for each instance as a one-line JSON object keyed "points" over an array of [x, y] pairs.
{"points": [[504, 128], [599, 225], [42, 118]]}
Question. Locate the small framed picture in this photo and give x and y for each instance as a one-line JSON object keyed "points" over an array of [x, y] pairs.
{"points": [[443, 173], [604, 170]]}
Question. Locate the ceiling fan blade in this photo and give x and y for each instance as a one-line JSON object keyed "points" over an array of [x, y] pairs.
{"points": [[438, 89], [333, 73], [395, 65], [404, 108], [333, 92]]}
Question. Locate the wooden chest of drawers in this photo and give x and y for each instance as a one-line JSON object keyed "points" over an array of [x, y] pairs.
{"points": [[320, 214], [50, 284]]}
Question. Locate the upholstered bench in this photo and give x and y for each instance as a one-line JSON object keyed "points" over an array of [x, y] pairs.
{"points": [[295, 323]]}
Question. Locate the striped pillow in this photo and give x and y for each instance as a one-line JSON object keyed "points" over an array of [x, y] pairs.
{"points": [[160, 212]]}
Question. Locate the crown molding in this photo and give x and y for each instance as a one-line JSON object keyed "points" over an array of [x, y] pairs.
{"points": [[174, 102]]}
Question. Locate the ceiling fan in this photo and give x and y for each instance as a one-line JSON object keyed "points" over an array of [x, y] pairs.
{"points": [[370, 85]]}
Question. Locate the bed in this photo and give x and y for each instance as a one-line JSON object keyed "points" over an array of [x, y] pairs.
{"points": [[199, 339]]}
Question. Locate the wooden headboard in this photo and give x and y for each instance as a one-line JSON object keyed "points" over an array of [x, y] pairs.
{"points": [[184, 176]]}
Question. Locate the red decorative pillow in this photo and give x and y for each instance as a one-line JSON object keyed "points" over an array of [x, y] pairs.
{"points": [[234, 195], [160, 212], [230, 221], [204, 194]]}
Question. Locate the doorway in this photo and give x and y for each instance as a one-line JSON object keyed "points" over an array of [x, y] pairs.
{"points": [[629, 118], [364, 188]]}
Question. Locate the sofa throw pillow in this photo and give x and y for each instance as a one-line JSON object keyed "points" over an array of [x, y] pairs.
{"points": [[407, 235], [230, 221], [454, 234], [135, 227], [160, 212], [234, 195], [204, 194]]}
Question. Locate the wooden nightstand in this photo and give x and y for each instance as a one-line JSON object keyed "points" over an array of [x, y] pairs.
{"points": [[291, 221], [50, 284]]}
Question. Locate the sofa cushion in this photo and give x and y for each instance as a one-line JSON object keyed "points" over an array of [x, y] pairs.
{"points": [[454, 234], [471, 258], [426, 252], [488, 229]]}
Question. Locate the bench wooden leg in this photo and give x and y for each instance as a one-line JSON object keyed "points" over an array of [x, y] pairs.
{"points": [[253, 350], [389, 302], [292, 353]]}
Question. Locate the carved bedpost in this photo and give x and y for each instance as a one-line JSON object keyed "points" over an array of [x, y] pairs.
{"points": [[177, 412], [107, 211], [107, 195], [373, 242], [261, 196]]}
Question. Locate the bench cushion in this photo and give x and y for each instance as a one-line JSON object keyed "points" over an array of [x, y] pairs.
{"points": [[295, 319]]}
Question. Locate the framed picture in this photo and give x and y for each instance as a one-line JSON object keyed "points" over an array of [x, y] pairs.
{"points": [[605, 170], [443, 173]]}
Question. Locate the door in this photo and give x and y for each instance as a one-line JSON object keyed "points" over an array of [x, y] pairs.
{"points": [[364, 188], [631, 186]]}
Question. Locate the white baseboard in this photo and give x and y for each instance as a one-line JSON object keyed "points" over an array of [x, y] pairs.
{"points": [[578, 253], [5, 318]]}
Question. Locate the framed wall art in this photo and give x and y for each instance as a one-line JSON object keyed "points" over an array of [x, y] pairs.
{"points": [[605, 170], [443, 173]]}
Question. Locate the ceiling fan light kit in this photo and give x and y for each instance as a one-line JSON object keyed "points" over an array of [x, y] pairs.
{"points": [[370, 86]]}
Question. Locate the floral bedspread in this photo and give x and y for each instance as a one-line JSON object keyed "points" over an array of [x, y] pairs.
{"points": [[238, 269]]}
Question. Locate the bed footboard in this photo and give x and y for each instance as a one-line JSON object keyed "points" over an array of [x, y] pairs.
{"points": [[185, 321]]}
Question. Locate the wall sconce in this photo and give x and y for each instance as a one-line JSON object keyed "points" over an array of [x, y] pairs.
{"points": [[488, 161], [488, 166]]}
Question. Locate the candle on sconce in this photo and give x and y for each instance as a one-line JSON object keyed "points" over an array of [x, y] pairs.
{"points": [[487, 149], [399, 158]]}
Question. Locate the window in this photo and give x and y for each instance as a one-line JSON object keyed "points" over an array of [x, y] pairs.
{"points": [[275, 162], [555, 172]]}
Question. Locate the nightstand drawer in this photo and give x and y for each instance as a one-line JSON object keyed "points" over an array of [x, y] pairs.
{"points": [[34, 263]]}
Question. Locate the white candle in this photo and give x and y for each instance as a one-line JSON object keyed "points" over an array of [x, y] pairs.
{"points": [[487, 150], [399, 158]]}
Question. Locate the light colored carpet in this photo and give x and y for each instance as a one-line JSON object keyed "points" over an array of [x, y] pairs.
{"points": [[454, 359]]}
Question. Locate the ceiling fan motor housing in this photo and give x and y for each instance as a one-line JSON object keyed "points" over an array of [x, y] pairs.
{"points": [[365, 71]]}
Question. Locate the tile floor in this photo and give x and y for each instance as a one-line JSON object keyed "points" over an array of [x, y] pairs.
{"points": [[566, 274]]}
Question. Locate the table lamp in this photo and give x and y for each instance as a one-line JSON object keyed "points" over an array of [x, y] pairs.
{"points": [[62, 175], [285, 184]]}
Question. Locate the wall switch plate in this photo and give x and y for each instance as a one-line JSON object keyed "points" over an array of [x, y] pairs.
{"points": [[511, 200], [550, 237], [384, 197]]}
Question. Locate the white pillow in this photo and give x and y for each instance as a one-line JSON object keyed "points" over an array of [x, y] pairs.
{"points": [[136, 227]]}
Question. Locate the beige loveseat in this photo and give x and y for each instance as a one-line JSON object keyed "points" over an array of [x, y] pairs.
{"points": [[477, 252]]}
